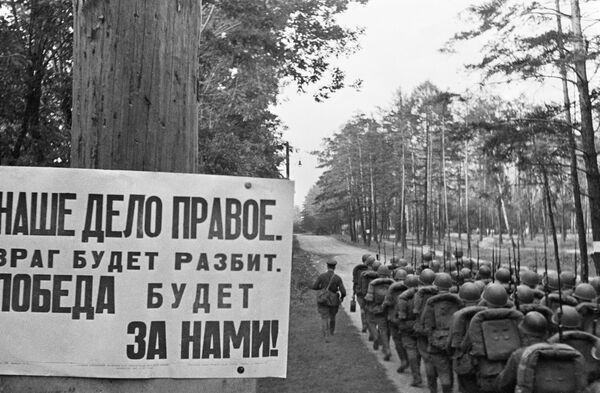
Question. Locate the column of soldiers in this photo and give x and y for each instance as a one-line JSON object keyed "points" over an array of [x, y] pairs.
{"points": [[480, 328]]}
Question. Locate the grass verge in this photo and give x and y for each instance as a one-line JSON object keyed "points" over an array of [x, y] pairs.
{"points": [[341, 366]]}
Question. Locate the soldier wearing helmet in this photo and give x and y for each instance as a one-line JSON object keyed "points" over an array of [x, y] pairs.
{"points": [[568, 280], [503, 276], [435, 319], [426, 291], [469, 294], [484, 274], [364, 278], [568, 318], [376, 310], [400, 275], [426, 259], [523, 295], [584, 292], [392, 305], [367, 263], [495, 296], [466, 275], [402, 262], [533, 329], [406, 321]]}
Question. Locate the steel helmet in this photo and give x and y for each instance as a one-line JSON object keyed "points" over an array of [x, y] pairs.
{"points": [[435, 265], [383, 271], [530, 278], [485, 272], [465, 272], [585, 292], [402, 262], [534, 324], [409, 269], [595, 282], [569, 319], [394, 261], [568, 279], [426, 277], [364, 257], [480, 285], [411, 281], [376, 265], [443, 281], [524, 294], [495, 295], [469, 292], [427, 256], [552, 280], [400, 275], [469, 262], [370, 260], [503, 275]]}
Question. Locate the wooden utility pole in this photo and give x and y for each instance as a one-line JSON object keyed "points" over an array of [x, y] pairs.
{"points": [[134, 107]]}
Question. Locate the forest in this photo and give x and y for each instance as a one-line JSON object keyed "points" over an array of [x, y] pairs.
{"points": [[437, 163], [248, 51]]}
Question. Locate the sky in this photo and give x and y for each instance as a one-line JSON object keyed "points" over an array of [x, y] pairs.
{"points": [[399, 49]]}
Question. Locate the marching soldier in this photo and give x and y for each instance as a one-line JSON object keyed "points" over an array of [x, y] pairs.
{"points": [[364, 278], [376, 311], [532, 329], [406, 321], [333, 284], [435, 319], [367, 261]]}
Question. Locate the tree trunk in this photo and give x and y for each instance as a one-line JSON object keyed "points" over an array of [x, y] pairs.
{"points": [[427, 185], [581, 235], [467, 227], [587, 130]]}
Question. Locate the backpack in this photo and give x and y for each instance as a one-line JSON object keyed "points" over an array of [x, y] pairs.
{"points": [[378, 289], [405, 315], [358, 269], [391, 300], [492, 337], [363, 283], [456, 345], [436, 319], [421, 297], [583, 342], [552, 301], [550, 368]]}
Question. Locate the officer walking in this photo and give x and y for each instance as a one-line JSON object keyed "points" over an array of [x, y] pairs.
{"points": [[328, 309]]}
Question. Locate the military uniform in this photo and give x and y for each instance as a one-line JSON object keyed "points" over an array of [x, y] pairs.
{"points": [[406, 321], [328, 312]]}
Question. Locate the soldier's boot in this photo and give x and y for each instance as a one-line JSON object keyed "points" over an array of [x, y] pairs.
{"points": [[332, 326], [363, 320], [414, 361], [372, 329], [431, 375], [384, 340], [402, 355]]}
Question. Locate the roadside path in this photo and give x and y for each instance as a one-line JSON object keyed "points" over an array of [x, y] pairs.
{"points": [[347, 257]]}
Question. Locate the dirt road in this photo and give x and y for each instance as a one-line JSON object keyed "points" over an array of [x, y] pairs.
{"points": [[347, 257]]}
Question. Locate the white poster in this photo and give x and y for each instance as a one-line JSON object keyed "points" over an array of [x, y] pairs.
{"points": [[123, 274]]}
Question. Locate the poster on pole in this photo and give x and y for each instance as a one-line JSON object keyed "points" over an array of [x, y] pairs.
{"points": [[124, 274]]}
